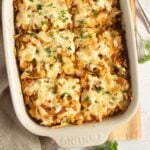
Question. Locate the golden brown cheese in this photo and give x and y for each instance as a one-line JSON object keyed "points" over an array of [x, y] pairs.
{"points": [[103, 94], [94, 13], [42, 14], [92, 45], [51, 96], [72, 60], [40, 55]]}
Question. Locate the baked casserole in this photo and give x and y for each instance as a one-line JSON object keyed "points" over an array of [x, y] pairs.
{"points": [[73, 60]]}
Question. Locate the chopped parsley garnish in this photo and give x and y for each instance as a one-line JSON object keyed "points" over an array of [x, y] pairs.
{"points": [[73, 87], [95, 12], [114, 34], [39, 7], [111, 103], [80, 22], [69, 97], [69, 48], [34, 62], [51, 5], [98, 89], [66, 38], [87, 98], [62, 16], [107, 92], [37, 51], [29, 15], [48, 50], [42, 22], [32, 33], [63, 12], [83, 36], [68, 121], [40, 13], [31, 0], [46, 81]]}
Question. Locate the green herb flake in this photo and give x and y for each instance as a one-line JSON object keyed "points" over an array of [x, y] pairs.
{"points": [[83, 36], [69, 97], [34, 62], [31, 0], [114, 34], [80, 22], [46, 81], [31, 33], [62, 16], [95, 12], [99, 89], [73, 87], [63, 12], [68, 121], [147, 46], [87, 98], [69, 48], [66, 38], [29, 15], [40, 13], [37, 51], [51, 5], [42, 22], [107, 92], [48, 50], [39, 7]]}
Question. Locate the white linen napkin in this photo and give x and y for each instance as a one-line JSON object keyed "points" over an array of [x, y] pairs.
{"points": [[13, 136]]}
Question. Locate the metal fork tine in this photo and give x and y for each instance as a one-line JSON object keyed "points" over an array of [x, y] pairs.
{"points": [[145, 15]]}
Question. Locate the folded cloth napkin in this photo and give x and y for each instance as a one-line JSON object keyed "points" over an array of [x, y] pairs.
{"points": [[13, 136]]}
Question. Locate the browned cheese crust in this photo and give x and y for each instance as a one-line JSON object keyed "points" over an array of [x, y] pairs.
{"points": [[72, 59]]}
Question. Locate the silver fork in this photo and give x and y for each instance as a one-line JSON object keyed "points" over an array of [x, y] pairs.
{"points": [[145, 15]]}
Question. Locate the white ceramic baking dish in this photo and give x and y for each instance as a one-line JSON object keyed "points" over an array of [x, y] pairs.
{"points": [[72, 136]]}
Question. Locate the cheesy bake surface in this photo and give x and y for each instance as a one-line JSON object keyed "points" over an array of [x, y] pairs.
{"points": [[72, 60]]}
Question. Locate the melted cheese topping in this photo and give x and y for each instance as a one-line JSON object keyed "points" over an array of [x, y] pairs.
{"points": [[94, 13], [44, 88], [43, 51], [72, 60], [69, 87], [55, 95], [43, 14]]}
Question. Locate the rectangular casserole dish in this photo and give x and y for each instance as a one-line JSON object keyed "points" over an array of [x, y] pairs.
{"points": [[71, 136]]}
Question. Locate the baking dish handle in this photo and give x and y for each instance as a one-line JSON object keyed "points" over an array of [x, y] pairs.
{"points": [[82, 140]]}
